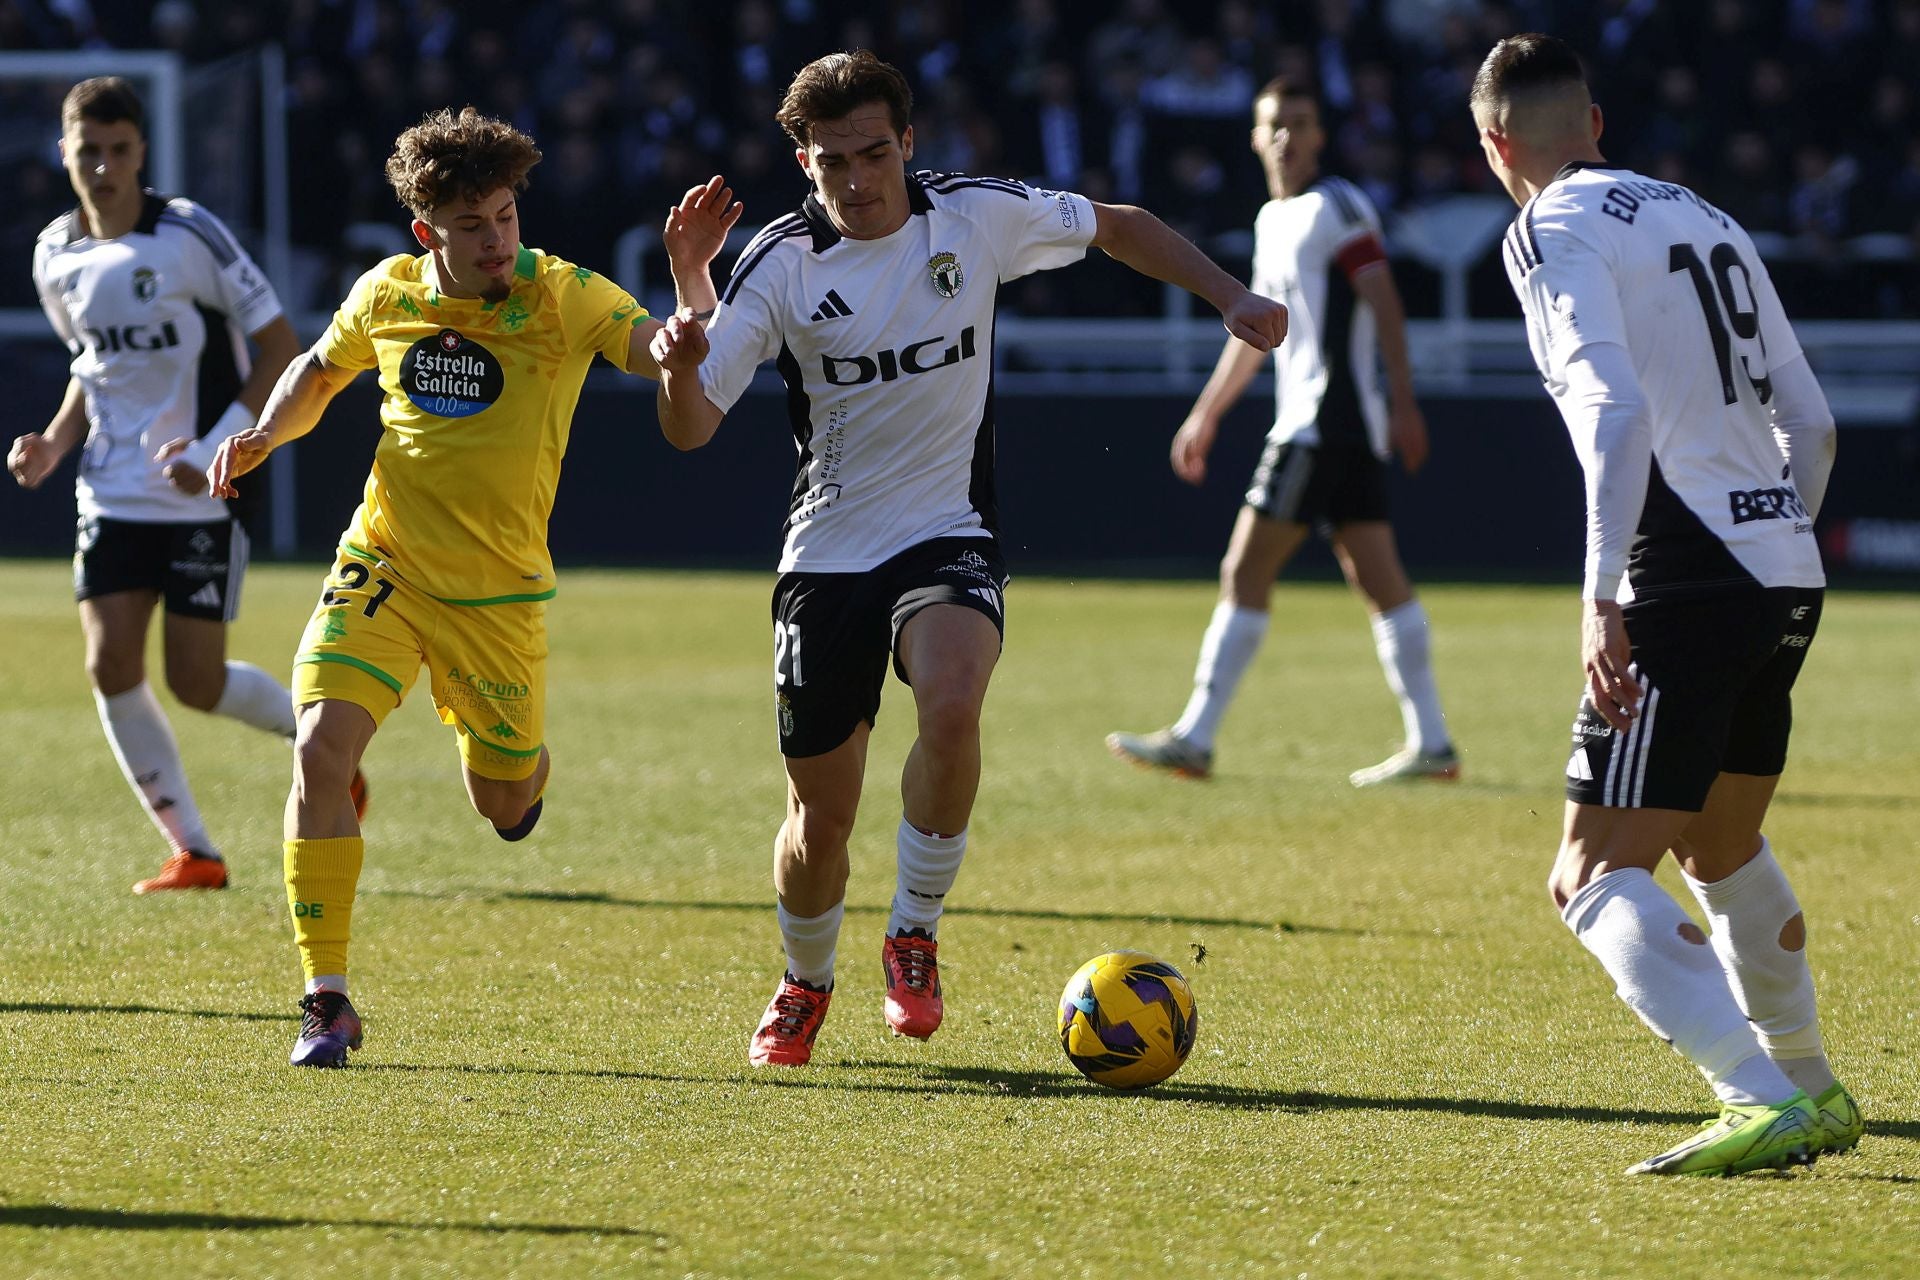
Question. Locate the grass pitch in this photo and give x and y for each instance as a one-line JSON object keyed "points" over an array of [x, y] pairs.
{"points": [[1405, 1066]]}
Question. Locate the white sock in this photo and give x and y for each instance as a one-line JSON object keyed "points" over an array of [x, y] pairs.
{"points": [[1748, 911], [1635, 928], [328, 982], [810, 942], [928, 866], [142, 742], [1227, 649], [256, 698], [1400, 637]]}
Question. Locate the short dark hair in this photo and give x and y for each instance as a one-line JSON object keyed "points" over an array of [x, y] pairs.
{"points": [[448, 155], [1521, 65], [103, 100], [831, 87]]}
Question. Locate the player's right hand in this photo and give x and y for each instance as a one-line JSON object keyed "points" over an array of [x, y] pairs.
{"points": [[1191, 445], [680, 345], [1607, 660], [32, 459], [237, 456]]}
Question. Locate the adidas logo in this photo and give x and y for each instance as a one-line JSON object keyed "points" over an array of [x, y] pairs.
{"points": [[834, 308], [208, 596], [1580, 769]]}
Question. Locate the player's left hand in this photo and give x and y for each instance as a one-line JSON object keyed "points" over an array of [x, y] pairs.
{"points": [[1407, 435], [1607, 660], [697, 227], [182, 475], [1258, 321], [680, 344]]}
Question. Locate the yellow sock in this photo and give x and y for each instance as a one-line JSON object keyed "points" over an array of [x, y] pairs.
{"points": [[321, 876]]}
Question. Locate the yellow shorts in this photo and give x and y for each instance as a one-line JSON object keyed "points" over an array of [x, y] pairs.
{"points": [[487, 664]]}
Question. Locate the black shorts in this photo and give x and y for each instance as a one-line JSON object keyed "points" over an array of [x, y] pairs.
{"points": [[1716, 677], [1317, 485], [833, 632], [196, 568]]}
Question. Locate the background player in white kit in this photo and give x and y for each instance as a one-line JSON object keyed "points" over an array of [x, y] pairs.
{"points": [[1707, 445], [155, 298], [877, 300], [1316, 247]]}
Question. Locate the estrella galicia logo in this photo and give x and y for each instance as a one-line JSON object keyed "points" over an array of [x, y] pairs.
{"points": [[146, 284], [450, 375]]}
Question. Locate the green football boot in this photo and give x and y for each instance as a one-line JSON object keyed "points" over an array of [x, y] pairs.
{"points": [[1744, 1139], [1840, 1122]]}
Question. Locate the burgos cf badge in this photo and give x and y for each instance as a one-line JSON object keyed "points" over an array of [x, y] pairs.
{"points": [[948, 279], [146, 284]]}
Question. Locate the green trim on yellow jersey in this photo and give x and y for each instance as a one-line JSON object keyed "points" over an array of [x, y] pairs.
{"points": [[524, 263], [346, 660], [548, 594], [361, 553]]}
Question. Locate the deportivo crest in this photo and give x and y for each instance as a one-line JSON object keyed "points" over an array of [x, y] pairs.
{"points": [[146, 284], [948, 279]]}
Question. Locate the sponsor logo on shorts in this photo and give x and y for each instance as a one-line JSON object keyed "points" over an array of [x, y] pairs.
{"points": [[201, 542], [335, 627], [491, 688], [450, 375]]}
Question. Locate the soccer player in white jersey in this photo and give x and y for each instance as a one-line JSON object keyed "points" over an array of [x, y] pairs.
{"points": [[1317, 247], [1706, 444], [876, 299], [155, 299]]}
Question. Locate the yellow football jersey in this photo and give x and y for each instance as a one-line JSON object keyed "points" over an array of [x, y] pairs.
{"points": [[479, 402]]}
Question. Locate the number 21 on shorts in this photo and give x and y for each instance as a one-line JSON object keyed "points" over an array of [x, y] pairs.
{"points": [[786, 655]]}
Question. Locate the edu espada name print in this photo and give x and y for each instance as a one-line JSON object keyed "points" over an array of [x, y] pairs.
{"points": [[948, 278]]}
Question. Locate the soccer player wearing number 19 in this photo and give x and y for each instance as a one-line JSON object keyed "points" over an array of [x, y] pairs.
{"points": [[482, 345], [1706, 444]]}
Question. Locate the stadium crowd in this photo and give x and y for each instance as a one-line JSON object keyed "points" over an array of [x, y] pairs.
{"points": [[1797, 116]]}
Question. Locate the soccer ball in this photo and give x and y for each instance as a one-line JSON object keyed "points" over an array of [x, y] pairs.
{"points": [[1127, 1020]]}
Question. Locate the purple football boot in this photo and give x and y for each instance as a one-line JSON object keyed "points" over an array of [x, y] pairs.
{"points": [[328, 1028]]}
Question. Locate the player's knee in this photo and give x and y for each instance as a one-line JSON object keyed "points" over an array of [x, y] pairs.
{"points": [[949, 719], [503, 804], [820, 832], [198, 689], [322, 763], [112, 673]]}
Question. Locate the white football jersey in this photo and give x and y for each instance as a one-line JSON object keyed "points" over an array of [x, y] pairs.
{"points": [[157, 321], [886, 348], [1306, 251], [1606, 255]]}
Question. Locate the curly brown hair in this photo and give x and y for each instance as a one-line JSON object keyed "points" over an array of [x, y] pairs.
{"points": [[466, 156], [831, 87]]}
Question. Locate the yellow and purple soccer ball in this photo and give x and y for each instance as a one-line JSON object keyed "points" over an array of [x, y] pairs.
{"points": [[1127, 1020]]}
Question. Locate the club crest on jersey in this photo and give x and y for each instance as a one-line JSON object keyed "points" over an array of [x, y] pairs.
{"points": [[146, 284], [450, 375], [948, 278]]}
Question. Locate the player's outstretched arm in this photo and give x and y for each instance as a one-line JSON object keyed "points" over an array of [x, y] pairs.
{"points": [[301, 395], [695, 233], [687, 418], [34, 456], [1406, 425], [187, 459], [1135, 237]]}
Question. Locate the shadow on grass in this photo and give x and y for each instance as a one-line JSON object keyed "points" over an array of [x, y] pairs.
{"points": [[67, 1217], [61, 1006], [990, 1082], [597, 898]]}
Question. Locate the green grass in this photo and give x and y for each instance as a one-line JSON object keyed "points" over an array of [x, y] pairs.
{"points": [[1405, 1065]]}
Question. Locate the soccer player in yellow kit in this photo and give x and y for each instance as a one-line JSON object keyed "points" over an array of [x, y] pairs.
{"points": [[481, 345]]}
